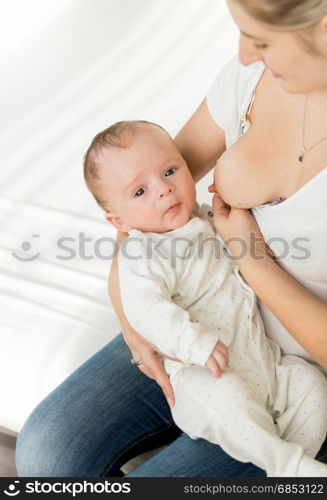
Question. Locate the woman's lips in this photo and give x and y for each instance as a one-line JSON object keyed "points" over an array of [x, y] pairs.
{"points": [[275, 75]]}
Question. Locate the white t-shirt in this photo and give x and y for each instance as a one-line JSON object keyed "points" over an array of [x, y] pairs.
{"points": [[297, 224]]}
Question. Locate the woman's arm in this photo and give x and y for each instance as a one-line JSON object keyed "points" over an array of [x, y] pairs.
{"points": [[114, 293], [201, 142], [299, 310]]}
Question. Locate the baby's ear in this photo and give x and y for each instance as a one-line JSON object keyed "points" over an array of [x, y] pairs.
{"points": [[117, 222]]}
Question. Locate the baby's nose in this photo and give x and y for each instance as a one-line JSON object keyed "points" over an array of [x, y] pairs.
{"points": [[165, 190]]}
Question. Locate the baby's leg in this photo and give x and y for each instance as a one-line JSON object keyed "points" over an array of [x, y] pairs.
{"points": [[227, 412], [301, 404]]}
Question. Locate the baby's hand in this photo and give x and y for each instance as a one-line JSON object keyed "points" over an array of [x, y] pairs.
{"points": [[218, 359]]}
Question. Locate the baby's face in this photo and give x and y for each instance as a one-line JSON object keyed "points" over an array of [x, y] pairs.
{"points": [[150, 187]]}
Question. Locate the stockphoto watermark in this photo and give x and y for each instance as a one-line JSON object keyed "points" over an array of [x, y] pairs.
{"points": [[67, 248]]}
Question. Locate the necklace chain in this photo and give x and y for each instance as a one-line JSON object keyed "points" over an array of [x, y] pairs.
{"points": [[304, 149]]}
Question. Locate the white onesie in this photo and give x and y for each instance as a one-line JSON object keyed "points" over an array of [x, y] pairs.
{"points": [[183, 292]]}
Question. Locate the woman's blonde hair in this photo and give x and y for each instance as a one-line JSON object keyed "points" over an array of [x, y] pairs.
{"points": [[286, 14]]}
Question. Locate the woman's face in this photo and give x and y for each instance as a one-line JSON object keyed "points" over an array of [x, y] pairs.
{"points": [[299, 69]]}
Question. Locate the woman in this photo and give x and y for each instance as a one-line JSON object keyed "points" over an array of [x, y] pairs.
{"points": [[107, 412]]}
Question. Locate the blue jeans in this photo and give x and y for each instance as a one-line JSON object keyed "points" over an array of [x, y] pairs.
{"points": [[108, 412]]}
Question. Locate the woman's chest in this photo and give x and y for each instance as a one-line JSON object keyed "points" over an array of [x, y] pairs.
{"points": [[263, 164]]}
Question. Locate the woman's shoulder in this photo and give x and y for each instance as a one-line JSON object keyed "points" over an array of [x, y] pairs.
{"points": [[231, 91]]}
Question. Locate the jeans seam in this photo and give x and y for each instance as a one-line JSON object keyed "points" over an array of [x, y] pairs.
{"points": [[137, 441]]}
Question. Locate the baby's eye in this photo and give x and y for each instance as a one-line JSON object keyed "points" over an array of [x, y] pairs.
{"points": [[170, 171], [139, 192]]}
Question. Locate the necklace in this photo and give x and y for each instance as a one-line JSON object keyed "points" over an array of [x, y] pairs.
{"points": [[304, 149]]}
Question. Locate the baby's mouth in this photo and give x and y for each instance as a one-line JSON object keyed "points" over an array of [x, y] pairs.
{"points": [[173, 208]]}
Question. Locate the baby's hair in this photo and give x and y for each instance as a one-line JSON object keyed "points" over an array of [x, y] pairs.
{"points": [[118, 135]]}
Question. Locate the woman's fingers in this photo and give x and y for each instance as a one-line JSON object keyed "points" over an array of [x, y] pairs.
{"points": [[221, 213], [219, 206], [152, 364], [145, 369]]}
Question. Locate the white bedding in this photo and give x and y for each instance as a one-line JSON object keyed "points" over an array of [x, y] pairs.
{"points": [[93, 63]]}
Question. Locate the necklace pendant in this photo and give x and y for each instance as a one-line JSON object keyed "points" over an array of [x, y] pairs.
{"points": [[301, 157]]}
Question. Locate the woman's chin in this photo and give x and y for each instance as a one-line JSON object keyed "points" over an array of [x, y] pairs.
{"points": [[296, 87], [288, 86]]}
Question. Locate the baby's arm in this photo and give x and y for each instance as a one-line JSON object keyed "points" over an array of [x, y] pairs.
{"points": [[146, 291]]}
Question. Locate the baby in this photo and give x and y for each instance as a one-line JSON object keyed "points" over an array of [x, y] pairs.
{"points": [[181, 290]]}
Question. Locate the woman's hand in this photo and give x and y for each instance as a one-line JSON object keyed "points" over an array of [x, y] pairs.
{"points": [[151, 366], [239, 230]]}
